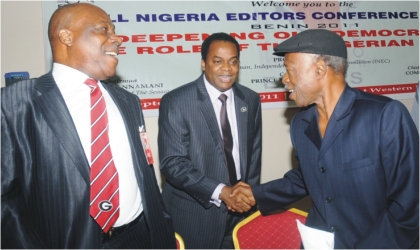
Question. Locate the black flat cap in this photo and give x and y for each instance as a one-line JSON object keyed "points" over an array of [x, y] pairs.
{"points": [[313, 41]]}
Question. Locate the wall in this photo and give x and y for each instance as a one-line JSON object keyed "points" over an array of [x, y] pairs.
{"points": [[22, 50]]}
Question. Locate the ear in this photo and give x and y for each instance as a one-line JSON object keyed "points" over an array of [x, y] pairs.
{"points": [[321, 69], [203, 65], [65, 37]]}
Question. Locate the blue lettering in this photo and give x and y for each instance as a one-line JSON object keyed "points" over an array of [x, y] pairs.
{"points": [[192, 17], [179, 18], [231, 16], [317, 15], [120, 19], [213, 17]]}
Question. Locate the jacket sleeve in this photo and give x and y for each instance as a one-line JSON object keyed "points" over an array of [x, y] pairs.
{"points": [[399, 145], [175, 162], [278, 194], [16, 232]]}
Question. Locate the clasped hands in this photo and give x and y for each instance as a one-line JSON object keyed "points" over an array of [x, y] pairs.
{"points": [[238, 198]]}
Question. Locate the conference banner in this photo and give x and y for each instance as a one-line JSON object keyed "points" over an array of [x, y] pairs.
{"points": [[162, 43]]}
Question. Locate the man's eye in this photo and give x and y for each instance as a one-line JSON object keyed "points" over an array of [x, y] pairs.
{"points": [[103, 29], [233, 62], [216, 62]]}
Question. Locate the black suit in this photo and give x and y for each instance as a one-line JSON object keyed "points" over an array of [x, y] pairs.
{"points": [[45, 173], [193, 162]]}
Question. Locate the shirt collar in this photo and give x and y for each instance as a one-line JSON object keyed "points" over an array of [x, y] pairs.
{"points": [[215, 93], [68, 78]]}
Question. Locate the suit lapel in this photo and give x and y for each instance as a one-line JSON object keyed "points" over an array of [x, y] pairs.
{"points": [[241, 109], [333, 130], [341, 110], [53, 108], [206, 108], [312, 131]]}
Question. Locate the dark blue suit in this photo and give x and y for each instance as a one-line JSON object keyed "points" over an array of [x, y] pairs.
{"points": [[45, 182], [363, 176]]}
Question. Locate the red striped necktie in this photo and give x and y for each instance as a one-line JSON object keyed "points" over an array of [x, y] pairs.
{"points": [[104, 191]]}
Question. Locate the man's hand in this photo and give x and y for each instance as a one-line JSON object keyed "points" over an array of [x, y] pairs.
{"points": [[243, 191], [240, 202]]}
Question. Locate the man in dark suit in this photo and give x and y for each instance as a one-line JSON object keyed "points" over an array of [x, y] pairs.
{"points": [[358, 153], [47, 153], [196, 153]]}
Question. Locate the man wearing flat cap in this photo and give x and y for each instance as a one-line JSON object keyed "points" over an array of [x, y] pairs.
{"points": [[358, 153]]}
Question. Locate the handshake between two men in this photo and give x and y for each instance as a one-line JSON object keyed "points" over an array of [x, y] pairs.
{"points": [[238, 198]]}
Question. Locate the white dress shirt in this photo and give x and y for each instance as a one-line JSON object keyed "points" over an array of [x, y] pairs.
{"points": [[76, 95], [231, 113]]}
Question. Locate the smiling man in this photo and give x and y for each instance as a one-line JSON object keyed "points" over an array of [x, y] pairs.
{"points": [[358, 153], [209, 141], [74, 174]]}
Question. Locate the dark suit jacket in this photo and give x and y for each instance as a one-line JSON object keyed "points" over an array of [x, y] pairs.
{"points": [[193, 162], [363, 176], [45, 173]]}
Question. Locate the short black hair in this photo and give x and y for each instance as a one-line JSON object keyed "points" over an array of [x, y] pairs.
{"points": [[217, 37]]}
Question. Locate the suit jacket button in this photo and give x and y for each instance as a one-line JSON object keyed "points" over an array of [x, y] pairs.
{"points": [[332, 229], [322, 169], [328, 199]]}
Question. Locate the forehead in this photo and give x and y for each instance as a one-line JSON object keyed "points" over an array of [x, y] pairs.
{"points": [[291, 56], [297, 58], [93, 15], [217, 47]]}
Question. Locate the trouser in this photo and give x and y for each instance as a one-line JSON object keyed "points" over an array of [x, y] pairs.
{"points": [[135, 236]]}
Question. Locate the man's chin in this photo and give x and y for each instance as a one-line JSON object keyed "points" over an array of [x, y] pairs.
{"points": [[110, 73], [225, 86]]}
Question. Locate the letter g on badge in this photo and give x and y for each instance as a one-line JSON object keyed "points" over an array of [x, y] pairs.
{"points": [[105, 206]]}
